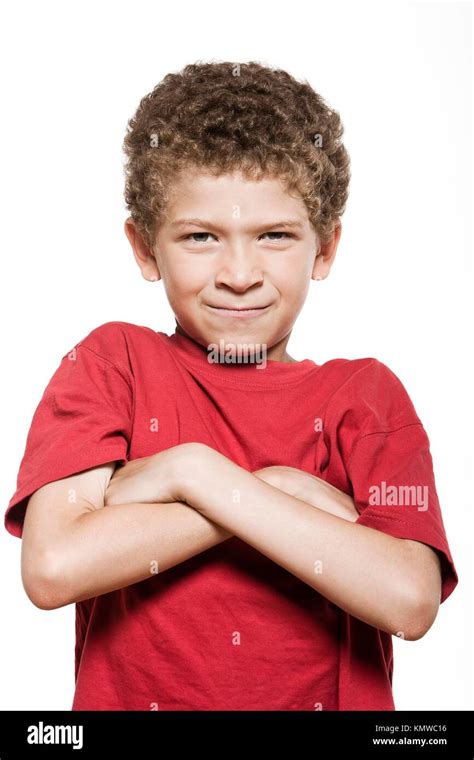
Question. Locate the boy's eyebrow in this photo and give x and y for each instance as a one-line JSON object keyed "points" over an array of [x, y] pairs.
{"points": [[288, 223]]}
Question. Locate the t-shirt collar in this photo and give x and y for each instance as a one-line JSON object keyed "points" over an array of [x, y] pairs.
{"points": [[262, 372]]}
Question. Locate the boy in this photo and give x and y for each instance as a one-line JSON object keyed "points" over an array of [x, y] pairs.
{"points": [[283, 514]]}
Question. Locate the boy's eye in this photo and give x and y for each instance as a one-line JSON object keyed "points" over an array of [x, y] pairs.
{"points": [[285, 234], [193, 234], [197, 233]]}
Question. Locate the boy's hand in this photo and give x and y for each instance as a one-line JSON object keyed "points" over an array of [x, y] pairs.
{"points": [[156, 478], [302, 485]]}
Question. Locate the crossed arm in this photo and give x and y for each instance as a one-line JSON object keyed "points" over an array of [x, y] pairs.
{"points": [[161, 510]]}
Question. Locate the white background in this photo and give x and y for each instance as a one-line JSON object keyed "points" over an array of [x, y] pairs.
{"points": [[399, 74]]}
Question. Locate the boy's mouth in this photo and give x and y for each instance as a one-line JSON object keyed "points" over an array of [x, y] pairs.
{"points": [[238, 311]]}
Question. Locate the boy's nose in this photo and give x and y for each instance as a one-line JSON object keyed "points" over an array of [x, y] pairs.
{"points": [[239, 270]]}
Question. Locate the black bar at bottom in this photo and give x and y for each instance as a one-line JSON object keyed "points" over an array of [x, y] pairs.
{"points": [[64, 734]]}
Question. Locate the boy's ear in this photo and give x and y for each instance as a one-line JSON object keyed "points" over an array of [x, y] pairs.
{"points": [[143, 256], [326, 255]]}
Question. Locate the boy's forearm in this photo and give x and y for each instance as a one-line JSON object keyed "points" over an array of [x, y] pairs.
{"points": [[115, 546], [371, 575], [365, 572], [121, 544]]}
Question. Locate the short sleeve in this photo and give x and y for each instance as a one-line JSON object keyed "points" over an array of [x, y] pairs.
{"points": [[387, 459], [83, 420], [394, 490]]}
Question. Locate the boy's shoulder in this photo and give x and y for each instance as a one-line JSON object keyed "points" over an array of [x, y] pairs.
{"points": [[370, 388], [112, 340], [360, 375]]}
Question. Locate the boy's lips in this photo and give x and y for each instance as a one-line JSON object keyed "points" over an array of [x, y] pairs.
{"points": [[229, 311]]}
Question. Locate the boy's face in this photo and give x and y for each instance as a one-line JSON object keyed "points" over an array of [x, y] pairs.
{"points": [[228, 243]]}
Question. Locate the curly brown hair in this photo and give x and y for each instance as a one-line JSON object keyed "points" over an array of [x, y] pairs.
{"points": [[222, 117]]}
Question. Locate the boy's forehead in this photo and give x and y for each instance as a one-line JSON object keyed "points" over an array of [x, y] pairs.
{"points": [[196, 194]]}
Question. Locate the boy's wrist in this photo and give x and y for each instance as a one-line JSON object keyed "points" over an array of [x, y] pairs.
{"points": [[191, 464]]}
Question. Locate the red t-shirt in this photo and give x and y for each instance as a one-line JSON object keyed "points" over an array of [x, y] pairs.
{"points": [[169, 642]]}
